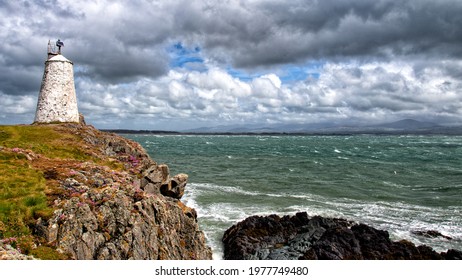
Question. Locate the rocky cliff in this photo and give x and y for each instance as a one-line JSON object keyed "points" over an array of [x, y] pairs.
{"points": [[318, 238], [104, 198]]}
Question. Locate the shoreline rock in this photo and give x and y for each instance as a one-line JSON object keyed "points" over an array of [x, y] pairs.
{"points": [[317, 238], [430, 234]]}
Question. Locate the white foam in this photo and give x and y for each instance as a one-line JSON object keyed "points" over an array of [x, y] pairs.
{"points": [[398, 218]]}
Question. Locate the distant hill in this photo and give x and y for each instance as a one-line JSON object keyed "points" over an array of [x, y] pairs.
{"points": [[404, 126], [407, 124]]}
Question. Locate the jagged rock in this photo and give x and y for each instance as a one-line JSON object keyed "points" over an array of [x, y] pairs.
{"points": [[431, 234], [113, 145], [89, 227], [154, 177], [303, 237], [82, 119], [7, 252], [105, 213], [175, 186], [74, 186], [452, 255], [336, 243]]}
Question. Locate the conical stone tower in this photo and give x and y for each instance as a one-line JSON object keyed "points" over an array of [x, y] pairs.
{"points": [[57, 101]]}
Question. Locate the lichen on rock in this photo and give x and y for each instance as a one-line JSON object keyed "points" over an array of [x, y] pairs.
{"points": [[110, 200], [123, 227]]}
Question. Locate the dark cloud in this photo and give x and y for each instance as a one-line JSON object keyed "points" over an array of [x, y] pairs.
{"points": [[130, 64], [20, 80], [243, 34], [302, 30], [374, 58]]}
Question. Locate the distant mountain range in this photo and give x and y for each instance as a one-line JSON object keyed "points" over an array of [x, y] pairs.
{"points": [[399, 127], [406, 126]]}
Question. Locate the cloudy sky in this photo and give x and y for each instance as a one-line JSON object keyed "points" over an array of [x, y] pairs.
{"points": [[148, 64]]}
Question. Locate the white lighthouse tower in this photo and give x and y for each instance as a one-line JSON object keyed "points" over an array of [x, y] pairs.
{"points": [[57, 101]]}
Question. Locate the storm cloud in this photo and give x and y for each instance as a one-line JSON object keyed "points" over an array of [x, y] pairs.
{"points": [[162, 64]]}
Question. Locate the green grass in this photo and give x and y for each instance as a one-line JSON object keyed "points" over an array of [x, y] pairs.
{"points": [[22, 187], [43, 139], [22, 196], [4, 135], [47, 253]]}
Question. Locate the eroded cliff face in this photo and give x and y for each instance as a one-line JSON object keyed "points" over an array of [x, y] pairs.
{"points": [[125, 225], [114, 203]]}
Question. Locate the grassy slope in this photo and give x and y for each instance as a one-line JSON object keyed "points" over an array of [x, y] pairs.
{"points": [[27, 153]]}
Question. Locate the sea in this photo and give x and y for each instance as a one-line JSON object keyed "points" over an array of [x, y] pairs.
{"points": [[399, 183]]}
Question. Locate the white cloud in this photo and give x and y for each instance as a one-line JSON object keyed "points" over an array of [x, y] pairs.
{"points": [[344, 92], [377, 60]]}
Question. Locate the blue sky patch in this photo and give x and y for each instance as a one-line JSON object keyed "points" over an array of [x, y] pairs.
{"points": [[185, 57], [288, 74], [190, 58], [296, 73]]}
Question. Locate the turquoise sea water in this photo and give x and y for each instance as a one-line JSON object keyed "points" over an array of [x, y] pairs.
{"points": [[396, 183]]}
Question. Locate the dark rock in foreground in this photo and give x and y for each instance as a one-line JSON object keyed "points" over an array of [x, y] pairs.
{"points": [[430, 234], [317, 238]]}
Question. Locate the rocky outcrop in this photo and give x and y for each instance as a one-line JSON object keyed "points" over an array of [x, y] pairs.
{"points": [[304, 237], [125, 224], [8, 252], [119, 205], [156, 179], [430, 234]]}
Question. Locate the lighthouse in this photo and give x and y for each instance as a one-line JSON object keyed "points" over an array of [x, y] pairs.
{"points": [[57, 101]]}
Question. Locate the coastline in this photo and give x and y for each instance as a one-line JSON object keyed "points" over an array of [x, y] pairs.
{"points": [[232, 178]]}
